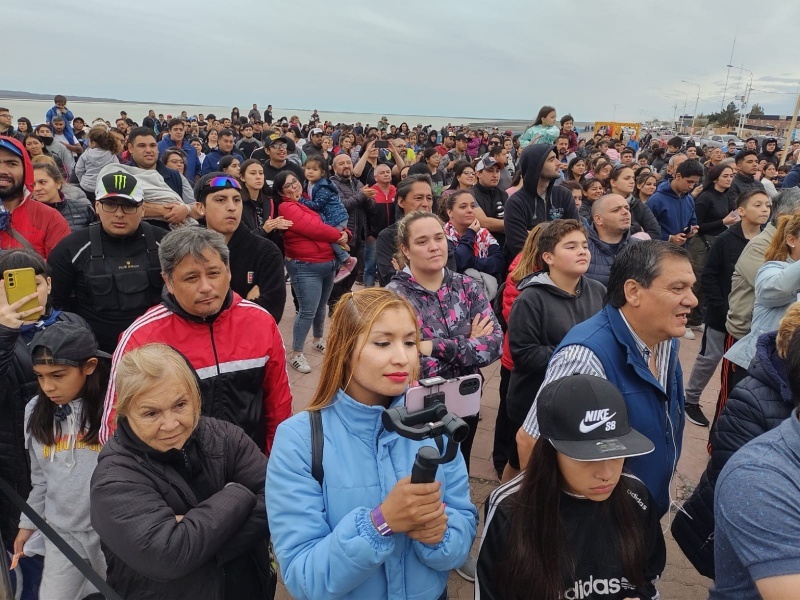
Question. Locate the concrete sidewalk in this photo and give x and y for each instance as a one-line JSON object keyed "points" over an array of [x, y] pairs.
{"points": [[680, 581]]}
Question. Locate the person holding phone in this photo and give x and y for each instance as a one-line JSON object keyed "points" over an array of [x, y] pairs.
{"points": [[674, 206], [365, 532], [19, 383]]}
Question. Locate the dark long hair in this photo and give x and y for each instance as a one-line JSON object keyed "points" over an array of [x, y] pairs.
{"points": [[536, 563], [714, 173], [40, 425]]}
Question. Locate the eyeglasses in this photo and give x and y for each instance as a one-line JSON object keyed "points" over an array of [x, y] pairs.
{"points": [[222, 182], [468, 173], [279, 146], [6, 115], [289, 184], [111, 207]]}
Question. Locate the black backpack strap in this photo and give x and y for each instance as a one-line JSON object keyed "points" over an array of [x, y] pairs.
{"points": [[96, 241], [317, 445]]}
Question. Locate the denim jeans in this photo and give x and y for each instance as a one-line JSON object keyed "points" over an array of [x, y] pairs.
{"points": [[370, 263], [312, 284]]}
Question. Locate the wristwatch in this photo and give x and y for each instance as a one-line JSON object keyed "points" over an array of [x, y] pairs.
{"points": [[379, 522]]}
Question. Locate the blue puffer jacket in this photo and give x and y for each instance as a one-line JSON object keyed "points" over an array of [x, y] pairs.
{"points": [[760, 403], [324, 539]]}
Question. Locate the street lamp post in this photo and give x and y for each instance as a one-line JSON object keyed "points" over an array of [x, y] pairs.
{"points": [[683, 110], [696, 102], [745, 99]]}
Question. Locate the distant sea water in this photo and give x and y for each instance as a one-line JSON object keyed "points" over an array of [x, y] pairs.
{"points": [[35, 110]]}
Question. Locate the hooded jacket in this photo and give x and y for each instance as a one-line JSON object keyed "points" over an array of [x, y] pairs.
{"points": [[603, 255], [308, 239], [89, 165], [42, 226], [769, 156], [256, 261], [238, 355], [324, 538], [540, 318], [18, 385], [218, 551], [715, 282], [445, 318], [742, 183], [525, 209], [673, 212], [324, 199], [761, 402]]}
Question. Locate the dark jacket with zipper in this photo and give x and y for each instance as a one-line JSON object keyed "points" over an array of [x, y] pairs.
{"points": [[359, 208], [18, 385], [220, 548], [525, 209], [742, 183], [256, 261], [760, 403], [111, 289], [715, 283], [643, 219], [540, 317], [711, 207], [603, 255]]}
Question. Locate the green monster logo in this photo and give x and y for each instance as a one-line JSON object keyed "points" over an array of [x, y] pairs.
{"points": [[120, 181]]}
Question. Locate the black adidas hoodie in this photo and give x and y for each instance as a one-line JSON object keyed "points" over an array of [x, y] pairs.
{"points": [[525, 209]]}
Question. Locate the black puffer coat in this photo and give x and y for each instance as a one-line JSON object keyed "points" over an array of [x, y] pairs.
{"points": [[761, 402], [17, 386], [219, 551]]}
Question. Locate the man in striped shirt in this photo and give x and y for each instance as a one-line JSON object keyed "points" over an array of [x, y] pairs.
{"points": [[633, 343]]}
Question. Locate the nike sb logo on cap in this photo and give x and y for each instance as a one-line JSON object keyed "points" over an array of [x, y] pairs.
{"points": [[597, 418]]}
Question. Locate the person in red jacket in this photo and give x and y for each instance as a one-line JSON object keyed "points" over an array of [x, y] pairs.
{"points": [[310, 263], [504, 454], [234, 345], [24, 222]]}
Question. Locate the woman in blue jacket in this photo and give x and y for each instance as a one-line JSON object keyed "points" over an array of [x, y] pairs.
{"points": [[364, 530]]}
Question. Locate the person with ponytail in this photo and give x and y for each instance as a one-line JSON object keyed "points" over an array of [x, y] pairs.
{"points": [[101, 152], [62, 427], [777, 287], [360, 528], [575, 524]]}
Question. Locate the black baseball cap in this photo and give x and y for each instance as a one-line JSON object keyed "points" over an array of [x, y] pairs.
{"points": [[586, 419], [281, 138], [119, 185], [67, 344], [461, 137]]}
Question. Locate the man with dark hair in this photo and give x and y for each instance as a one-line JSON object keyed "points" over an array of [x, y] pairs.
{"points": [[751, 143], [176, 138], [744, 180], [151, 121], [490, 200], [274, 159], [6, 127], [626, 157], [248, 144], [233, 344], [631, 342], [313, 147], [456, 154], [57, 150], [268, 115], [562, 150], [673, 204], [225, 147]]}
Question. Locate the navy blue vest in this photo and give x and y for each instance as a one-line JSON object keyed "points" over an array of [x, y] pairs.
{"points": [[655, 414]]}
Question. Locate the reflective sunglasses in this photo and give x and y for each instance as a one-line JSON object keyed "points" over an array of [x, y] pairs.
{"points": [[223, 181]]}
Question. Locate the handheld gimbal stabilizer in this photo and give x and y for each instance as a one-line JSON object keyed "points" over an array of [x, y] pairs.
{"points": [[430, 422]]}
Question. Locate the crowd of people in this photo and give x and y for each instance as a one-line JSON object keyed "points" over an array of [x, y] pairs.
{"points": [[147, 408]]}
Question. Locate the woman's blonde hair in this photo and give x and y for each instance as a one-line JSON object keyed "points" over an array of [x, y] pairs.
{"points": [[779, 248], [529, 257], [354, 316], [788, 325], [147, 367]]}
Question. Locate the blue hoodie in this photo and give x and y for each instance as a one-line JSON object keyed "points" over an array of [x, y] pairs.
{"points": [[326, 544], [192, 160], [674, 213]]}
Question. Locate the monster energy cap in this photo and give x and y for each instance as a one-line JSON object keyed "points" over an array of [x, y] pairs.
{"points": [[120, 185]]}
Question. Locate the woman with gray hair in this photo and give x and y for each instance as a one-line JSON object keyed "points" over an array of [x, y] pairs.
{"points": [[178, 498]]}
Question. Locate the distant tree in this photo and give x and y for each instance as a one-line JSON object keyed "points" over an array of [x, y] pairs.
{"points": [[726, 118], [756, 110]]}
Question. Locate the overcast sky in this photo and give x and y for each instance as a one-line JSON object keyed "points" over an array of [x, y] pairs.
{"points": [[430, 57]]}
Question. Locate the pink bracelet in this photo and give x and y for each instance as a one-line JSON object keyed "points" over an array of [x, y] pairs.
{"points": [[380, 522]]}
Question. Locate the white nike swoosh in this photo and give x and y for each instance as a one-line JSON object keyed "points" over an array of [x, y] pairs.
{"points": [[587, 428]]}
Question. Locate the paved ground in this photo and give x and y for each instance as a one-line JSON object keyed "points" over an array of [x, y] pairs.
{"points": [[679, 582]]}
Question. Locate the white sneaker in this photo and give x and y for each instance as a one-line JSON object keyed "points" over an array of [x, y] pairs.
{"points": [[689, 335], [300, 364], [320, 345]]}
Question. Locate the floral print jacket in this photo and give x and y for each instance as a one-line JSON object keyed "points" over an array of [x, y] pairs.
{"points": [[445, 317]]}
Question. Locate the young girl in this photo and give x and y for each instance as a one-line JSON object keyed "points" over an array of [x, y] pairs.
{"points": [[361, 529], [102, 151], [573, 525], [544, 129], [230, 164], [61, 430], [323, 197]]}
